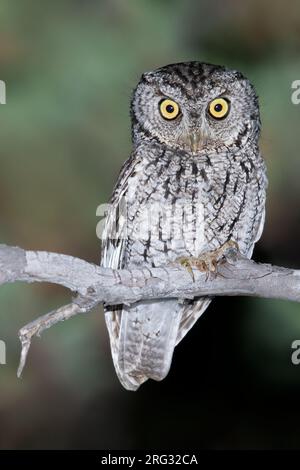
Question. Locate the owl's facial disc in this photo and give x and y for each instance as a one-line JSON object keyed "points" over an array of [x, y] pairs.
{"points": [[169, 111], [218, 109], [198, 108], [191, 138]]}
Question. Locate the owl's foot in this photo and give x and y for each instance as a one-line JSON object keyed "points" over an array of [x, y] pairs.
{"points": [[208, 262]]}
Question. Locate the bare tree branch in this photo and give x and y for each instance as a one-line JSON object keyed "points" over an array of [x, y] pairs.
{"points": [[94, 285]]}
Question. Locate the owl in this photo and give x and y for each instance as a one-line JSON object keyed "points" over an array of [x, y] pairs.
{"points": [[195, 180]]}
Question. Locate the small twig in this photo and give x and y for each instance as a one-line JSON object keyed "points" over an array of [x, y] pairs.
{"points": [[36, 327]]}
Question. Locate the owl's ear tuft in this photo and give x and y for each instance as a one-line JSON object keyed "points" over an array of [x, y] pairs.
{"points": [[239, 76], [147, 77]]}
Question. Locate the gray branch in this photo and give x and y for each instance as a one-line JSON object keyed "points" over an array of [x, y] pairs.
{"points": [[93, 285]]}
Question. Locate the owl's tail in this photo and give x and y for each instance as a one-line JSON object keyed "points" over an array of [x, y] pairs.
{"points": [[147, 335]]}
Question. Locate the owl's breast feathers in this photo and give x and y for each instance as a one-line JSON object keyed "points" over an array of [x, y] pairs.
{"points": [[180, 205]]}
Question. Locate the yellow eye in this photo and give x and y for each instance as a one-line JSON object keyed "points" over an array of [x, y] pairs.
{"points": [[218, 108], [169, 109]]}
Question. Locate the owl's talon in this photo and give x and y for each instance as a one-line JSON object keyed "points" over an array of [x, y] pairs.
{"points": [[186, 263], [208, 262], [230, 250]]}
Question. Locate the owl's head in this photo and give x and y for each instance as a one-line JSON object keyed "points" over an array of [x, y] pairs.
{"points": [[195, 107]]}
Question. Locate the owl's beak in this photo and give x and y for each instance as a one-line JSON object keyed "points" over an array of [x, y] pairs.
{"points": [[196, 141]]}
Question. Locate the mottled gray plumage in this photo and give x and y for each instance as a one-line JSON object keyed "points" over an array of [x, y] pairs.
{"points": [[208, 176]]}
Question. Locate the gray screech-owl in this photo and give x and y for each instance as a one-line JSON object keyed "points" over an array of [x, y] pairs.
{"points": [[195, 180]]}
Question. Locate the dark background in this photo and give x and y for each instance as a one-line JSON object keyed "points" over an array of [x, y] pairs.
{"points": [[69, 67]]}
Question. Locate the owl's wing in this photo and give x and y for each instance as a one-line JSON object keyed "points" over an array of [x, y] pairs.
{"points": [[142, 336], [114, 236], [111, 257], [258, 233], [190, 314], [261, 226], [112, 252]]}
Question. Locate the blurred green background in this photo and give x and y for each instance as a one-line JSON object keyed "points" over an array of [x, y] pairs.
{"points": [[69, 67]]}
